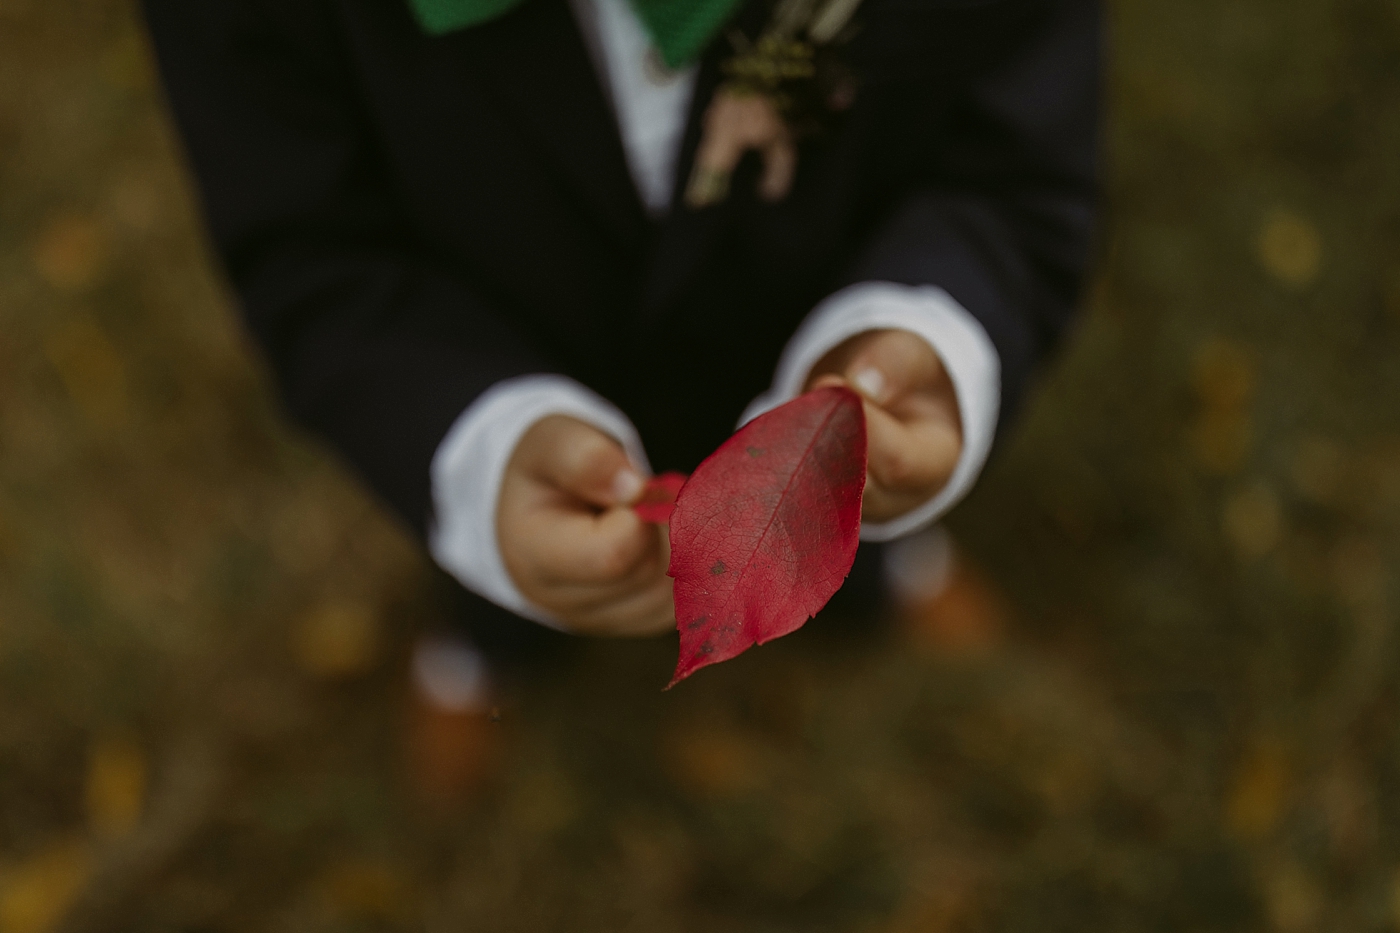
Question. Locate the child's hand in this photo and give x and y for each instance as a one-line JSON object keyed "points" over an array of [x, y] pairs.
{"points": [[911, 416], [570, 539]]}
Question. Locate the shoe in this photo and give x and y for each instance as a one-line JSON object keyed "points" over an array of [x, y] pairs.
{"points": [[452, 737], [944, 604]]}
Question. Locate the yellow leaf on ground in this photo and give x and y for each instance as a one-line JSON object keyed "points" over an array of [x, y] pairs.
{"points": [[1253, 521], [367, 889], [338, 639], [92, 371], [116, 786], [1223, 377], [1259, 790], [706, 761], [34, 893], [1293, 897], [71, 252], [1224, 374], [1290, 248]]}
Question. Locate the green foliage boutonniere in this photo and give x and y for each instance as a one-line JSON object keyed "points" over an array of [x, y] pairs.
{"points": [[784, 84]]}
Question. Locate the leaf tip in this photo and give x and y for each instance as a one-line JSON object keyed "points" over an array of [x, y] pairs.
{"points": [[678, 676]]}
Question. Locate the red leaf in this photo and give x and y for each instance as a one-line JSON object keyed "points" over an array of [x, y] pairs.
{"points": [[766, 529], [658, 499]]}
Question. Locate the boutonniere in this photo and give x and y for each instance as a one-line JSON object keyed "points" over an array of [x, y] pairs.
{"points": [[786, 83]]}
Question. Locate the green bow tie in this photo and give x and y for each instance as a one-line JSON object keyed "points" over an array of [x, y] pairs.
{"points": [[680, 28]]}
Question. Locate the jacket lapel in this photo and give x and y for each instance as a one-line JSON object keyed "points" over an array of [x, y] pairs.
{"points": [[687, 235], [534, 59]]}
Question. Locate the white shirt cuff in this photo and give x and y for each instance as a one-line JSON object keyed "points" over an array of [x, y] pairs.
{"points": [[470, 463], [954, 334]]}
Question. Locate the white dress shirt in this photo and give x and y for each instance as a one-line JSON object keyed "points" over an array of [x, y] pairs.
{"points": [[651, 105]]}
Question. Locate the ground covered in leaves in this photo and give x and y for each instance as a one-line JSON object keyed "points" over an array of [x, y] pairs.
{"points": [[1187, 720]]}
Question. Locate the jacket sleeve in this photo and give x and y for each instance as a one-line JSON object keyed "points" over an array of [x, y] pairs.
{"points": [[1002, 216], [373, 346]]}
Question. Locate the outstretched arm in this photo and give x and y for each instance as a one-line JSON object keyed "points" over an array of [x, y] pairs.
{"points": [[373, 345]]}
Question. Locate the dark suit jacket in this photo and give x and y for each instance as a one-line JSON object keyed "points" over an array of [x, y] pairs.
{"points": [[408, 219]]}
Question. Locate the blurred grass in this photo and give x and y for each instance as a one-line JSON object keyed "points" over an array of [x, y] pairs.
{"points": [[1192, 724]]}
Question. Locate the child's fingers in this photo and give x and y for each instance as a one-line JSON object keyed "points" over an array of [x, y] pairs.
{"points": [[572, 600], [644, 611], [576, 547], [567, 591], [913, 457], [892, 364], [638, 604], [567, 540], [578, 459], [828, 381]]}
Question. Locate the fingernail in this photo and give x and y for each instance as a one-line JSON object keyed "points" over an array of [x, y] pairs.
{"points": [[871, 382], [627, 485]]}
